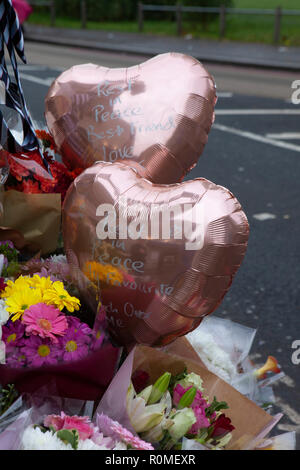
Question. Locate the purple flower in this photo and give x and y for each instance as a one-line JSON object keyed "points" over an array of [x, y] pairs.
{"points": [[117, 432], [15, 357], [76, 326], [13, 333], [9, 243], [97, 339], [40, 352], [73, 345], [44, 273]]}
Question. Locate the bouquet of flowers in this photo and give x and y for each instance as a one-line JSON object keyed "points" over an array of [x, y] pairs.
{"points": [[41, 334], [41, 424], [223, 347], [175, 407], [34, 193], [28, 175], [63, 432], [171, 402]]}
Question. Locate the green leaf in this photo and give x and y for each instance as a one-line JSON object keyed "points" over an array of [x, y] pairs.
{"points": [[69, 436], [8, 396], [176, 378], [216, 406]]}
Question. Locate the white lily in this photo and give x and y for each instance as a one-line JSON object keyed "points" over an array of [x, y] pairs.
{"points": [[142, 416], [156, 433]]}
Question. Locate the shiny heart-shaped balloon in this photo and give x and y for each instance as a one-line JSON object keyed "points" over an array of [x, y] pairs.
{"points": [[160, 257], [156, 115]]}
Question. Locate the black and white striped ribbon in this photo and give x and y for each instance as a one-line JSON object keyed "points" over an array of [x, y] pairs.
{"points": [[11, 94]]}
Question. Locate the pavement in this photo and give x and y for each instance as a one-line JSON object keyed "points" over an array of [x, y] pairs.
{"points": [[224, 52]]}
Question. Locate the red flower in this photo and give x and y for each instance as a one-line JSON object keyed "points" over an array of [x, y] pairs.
{"points": [[2, 284], [139, 380], [46, 138], [31, 187], [222, 426]]}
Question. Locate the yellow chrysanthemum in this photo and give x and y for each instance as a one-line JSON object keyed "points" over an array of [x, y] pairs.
{"points": [[106, 273], [59, 297], [43, 283], [21, 300], [13, 286]]}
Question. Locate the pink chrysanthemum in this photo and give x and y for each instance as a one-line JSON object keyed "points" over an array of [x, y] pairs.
{"points": [[45, 321], [117, 432], [82, 424]]}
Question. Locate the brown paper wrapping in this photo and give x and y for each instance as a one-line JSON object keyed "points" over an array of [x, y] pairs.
{"points": [[248, 419], [36, 216]]}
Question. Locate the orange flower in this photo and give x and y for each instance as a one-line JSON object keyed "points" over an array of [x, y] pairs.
{"points": [[271, 365], [46, 138]]}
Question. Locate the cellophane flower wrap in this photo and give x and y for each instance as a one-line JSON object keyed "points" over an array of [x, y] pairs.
{"points": [[45, 336], [35, 184], [128, 400], [55, 423]]}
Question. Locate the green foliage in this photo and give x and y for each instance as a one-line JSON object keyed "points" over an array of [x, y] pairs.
{"points": [[124, 10], [7, 396], [69, 436], [216, 406]]}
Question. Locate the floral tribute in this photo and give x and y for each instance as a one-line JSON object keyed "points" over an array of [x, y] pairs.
{"points": [[39, 328], [176, 407], [28, 175], [62, 432]]}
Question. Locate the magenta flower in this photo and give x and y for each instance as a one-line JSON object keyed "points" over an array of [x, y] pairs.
{"points": [[199, 401], [82, 424], [15, 357], [73, 345], [13, 333], [202, 420], [75, 325], [117, 432], [45, 321], [40, 352]]}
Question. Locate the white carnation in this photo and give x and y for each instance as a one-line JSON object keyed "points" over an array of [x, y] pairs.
{"points": [[2, 351], [215, 358], [35, 439], [4, 315], [88, 444]]}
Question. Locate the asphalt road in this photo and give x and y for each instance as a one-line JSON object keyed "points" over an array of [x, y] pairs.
{"points": [[254, 150]]}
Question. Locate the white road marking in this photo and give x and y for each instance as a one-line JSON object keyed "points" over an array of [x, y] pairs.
{"points": [[284, 135], [264, 216], [41, 81], [257, 137], [254, 112], [224, 94]]}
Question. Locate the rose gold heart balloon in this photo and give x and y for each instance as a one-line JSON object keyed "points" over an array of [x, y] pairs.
{"points": [[161, 256], [157, 114]]}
